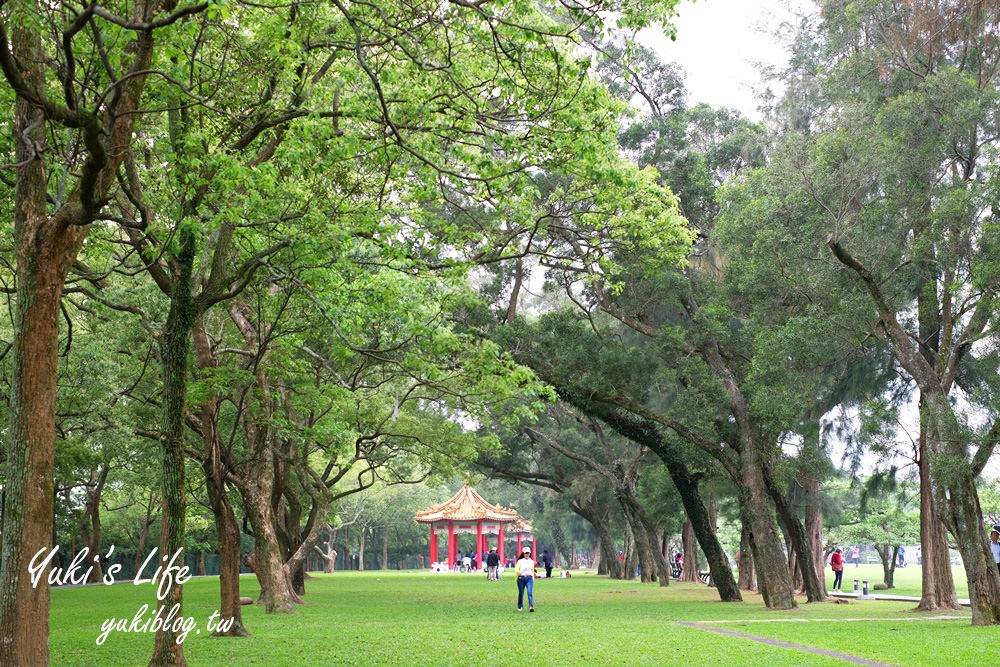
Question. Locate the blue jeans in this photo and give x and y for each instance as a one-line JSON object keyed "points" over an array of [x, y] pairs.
{"points": [[838, 579], [522, 584]]}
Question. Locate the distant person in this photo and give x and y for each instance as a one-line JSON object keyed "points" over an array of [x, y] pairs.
{"points": [[525, 568], [466, 563], [837, 564], [856, 555], [547, 563], [492, 563], [901, 557], [995, 545]]}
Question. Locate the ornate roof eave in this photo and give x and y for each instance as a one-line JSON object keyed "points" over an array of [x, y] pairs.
{"points": [[467, 505]]}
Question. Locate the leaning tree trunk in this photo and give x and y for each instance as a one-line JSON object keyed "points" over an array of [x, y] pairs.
{"points": [[769, 558], [654, 565], [798, 540], [648, 433]]}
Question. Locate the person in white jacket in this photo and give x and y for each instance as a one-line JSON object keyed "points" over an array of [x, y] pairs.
{"points": [[525, 569]]}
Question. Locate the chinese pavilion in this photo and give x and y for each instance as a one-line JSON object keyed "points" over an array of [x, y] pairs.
{"points": [[467, 512]]}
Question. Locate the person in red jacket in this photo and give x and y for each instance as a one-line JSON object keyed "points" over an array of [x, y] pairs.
{"points": [[837, 563]]}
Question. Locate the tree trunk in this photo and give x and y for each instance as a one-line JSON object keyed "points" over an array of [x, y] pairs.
{"points": [[648, 433], [227, 532], [362, 535], [768, 555], [90, 532], [938, 590], [814, 527], [140, 544], [689, 548], [747, 572], [385, 547], [798, 540], [888, 554], [653, 564], [277, 593], [175, 343], [46, 248], [227, 529], [607, 559], [955, 493]]}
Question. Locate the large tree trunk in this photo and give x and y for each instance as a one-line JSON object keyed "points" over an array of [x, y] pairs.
{"points": [[938, 590], [46, 248], [773, 577], [955, 493], [814, 527], [798, 540], [277, 593], [44, 253], [175, 343]]}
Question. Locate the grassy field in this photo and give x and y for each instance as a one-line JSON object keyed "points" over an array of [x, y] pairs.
{"points": [[400, 618]]}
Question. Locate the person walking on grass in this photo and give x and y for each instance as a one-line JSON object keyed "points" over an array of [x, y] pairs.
{"points": [[525, 569], [837, 563], [547, 563]]}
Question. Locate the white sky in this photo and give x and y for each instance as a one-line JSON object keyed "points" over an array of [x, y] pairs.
{"points": [[720, 43]]}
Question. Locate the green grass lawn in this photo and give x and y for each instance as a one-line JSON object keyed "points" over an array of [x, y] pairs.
{"points": [[400, 618]]}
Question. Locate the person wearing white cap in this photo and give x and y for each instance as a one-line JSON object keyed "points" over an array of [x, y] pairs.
{"points": [[525, 568]]}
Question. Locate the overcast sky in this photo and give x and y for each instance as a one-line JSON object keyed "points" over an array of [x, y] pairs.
{"points": [[719, 44]]}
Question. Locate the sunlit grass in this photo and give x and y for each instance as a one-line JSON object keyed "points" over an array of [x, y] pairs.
{"points": [[399, 618]]}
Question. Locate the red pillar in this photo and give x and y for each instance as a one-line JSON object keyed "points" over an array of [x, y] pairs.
{"points": [[519, 547], [500, 543], [479, 545], [434, 546], [534, 548], [451, 545]]}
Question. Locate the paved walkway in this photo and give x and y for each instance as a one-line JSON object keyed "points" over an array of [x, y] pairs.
{"points": [[795, 647], [837, 655]]}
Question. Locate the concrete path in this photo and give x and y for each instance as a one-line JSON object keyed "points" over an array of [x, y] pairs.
{"points": [[795, 647]]}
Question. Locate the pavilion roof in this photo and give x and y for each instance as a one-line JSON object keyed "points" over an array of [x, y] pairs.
{"points": [[467, 505]]}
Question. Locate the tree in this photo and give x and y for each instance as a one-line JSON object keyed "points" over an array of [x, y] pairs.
{"points": [[47, 239], [893, 177]]}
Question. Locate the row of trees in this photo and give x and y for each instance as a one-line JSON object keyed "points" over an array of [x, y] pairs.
{"points": [[287, 254], [845, 265], [239, 231]]}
